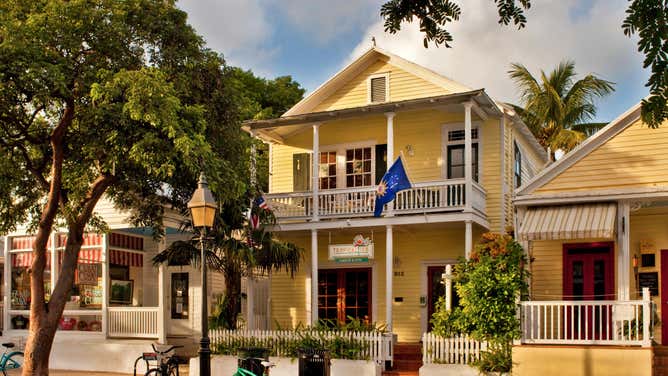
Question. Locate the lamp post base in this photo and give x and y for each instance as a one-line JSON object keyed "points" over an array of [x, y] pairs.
{"points": [[204, 357]]}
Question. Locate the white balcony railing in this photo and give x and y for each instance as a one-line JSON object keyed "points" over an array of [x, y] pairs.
{"points": [[423, 197], [587, 322], [133, 322]]}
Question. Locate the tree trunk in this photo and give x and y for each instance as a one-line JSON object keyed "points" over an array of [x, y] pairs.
{"points": [[232, 299], [44, 317]]}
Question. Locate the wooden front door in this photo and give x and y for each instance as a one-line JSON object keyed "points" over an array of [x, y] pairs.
{"points": [[588, 275], [664, 296], [436, 289], [344, 294]]}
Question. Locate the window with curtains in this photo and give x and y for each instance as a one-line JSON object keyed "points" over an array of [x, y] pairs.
{"points": [[358, 167]]}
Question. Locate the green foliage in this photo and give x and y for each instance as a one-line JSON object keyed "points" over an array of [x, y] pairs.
{"points": [[488, 285], [646, 18], [433, 15], [556, 107], [649, 19]]}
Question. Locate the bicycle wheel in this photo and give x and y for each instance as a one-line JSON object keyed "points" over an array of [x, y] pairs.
{"points": [[14, 361], [173, 369], [154, 372]]}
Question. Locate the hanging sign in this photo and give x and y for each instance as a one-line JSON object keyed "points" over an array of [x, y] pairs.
{"points": [[360, 251]]}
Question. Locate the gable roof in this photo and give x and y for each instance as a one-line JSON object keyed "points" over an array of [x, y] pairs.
{"points": [[592, 143], [360, 64]]}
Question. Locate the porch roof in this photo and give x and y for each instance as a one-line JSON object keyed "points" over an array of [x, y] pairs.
{"points": [[569, 222]]}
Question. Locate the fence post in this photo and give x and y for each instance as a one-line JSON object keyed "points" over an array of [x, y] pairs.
{"points": [[646, 317], [518, 314]]}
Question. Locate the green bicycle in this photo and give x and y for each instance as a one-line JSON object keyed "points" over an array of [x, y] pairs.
{"points": [[10, 360]]}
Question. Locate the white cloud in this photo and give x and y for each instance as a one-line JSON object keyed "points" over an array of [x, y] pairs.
{"points": [[238, 29], [556, 30], [324, 20]]}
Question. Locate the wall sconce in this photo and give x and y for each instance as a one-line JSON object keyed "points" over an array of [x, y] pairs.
{"points": [[635, 261], [409, 150]]}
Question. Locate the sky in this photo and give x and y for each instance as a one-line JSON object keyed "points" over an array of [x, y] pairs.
{"points": [[311, 40]]}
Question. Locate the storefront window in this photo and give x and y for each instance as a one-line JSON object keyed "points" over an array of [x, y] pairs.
{"points": [[87, 288], [20, 283]]}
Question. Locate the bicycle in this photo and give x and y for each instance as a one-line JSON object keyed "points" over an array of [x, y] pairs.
{"points": [[12, 360], [266, 365], [166, 365]]}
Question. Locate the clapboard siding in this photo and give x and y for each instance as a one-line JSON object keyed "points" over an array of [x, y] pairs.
{"points": [[632, 159], [403, 85]]}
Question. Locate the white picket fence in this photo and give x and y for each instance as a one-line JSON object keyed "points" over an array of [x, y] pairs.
{"points": [[376, 346], [453, 350]]}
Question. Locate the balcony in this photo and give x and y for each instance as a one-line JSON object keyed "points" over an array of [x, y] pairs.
{"points": [[424, 197]]}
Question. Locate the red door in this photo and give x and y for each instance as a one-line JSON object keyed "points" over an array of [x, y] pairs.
{"points": [[664, 296], [588, 276]]}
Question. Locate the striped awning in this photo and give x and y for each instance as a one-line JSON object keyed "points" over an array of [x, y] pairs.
{"points": [[569, 222], [125, 258]]}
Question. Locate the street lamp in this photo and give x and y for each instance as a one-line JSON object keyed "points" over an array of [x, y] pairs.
{"points": [[203, 210]]}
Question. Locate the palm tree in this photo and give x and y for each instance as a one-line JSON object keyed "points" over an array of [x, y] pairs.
{"points": [[556, 107], [236, 250]]}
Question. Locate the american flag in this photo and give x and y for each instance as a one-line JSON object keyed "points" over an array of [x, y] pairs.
{"points": [[255, 221], [261, 203]]}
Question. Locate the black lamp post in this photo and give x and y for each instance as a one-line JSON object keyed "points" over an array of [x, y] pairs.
{"points": [[203, 209]]}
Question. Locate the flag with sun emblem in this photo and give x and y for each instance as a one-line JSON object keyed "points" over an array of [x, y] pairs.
{"points": [[394, 180]]}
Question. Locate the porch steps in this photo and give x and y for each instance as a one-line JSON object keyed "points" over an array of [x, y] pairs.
{"points": [[407, 360], [660, 365]]}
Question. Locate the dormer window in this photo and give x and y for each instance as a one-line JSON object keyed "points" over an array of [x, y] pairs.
{"points": [[378, 88]]}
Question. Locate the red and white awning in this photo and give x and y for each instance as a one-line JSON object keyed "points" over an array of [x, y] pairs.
{"points": [[86, 256], [125, 258]]}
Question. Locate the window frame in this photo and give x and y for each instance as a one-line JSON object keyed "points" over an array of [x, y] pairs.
{"points": [[446, 143], [517, 165], [385, 75], [340, 150]]}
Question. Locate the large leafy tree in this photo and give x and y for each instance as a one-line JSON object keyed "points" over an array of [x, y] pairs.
{"points": [[235, 248], [556, 106], [104, 98], [646, 18]]}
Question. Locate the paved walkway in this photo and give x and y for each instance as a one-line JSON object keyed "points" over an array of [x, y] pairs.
{"points": [[183, 371]]}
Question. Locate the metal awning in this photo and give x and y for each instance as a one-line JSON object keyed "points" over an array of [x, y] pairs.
{"points": [[569, 222]]}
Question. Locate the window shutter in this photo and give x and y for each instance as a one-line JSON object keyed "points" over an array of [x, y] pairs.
{"points": [[378, 90]]}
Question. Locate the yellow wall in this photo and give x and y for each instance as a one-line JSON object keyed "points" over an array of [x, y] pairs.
{"points": [[403, 85], [413, 247], [634, 158], [581, 361]]}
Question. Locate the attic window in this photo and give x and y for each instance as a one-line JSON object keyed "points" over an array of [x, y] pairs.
{"points": [[378, 89], [458, 135]]}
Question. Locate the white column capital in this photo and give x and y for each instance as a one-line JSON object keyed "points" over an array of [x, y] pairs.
{"points": [[390, 114], [316, 125], [468, 105]]}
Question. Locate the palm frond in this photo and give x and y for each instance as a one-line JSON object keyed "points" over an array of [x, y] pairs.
{"points": [[567, 139], [588, 128], [561, 78], [525, 82]]}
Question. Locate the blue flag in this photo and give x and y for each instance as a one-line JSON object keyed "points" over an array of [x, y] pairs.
{"points": [[394, 180]]}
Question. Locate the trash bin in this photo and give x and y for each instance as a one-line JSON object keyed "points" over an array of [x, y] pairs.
{"points": [[314, 362], [251, 358]]}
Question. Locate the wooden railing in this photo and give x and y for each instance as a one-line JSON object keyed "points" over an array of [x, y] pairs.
{"points": [[133, 322], [423, 197], [452, 350], [587, 322], [376, 346]]}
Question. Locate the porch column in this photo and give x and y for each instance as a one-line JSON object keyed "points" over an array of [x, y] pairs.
{"points": [[314, 276], [7, 281], [389, 274], [162, 321], [390, 154], [253, 161], [105, 284], [468, 239], [623, 251], [468, 170], [316, 170]]}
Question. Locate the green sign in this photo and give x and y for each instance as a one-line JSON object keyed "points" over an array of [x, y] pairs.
{"points": [[352, 259]]}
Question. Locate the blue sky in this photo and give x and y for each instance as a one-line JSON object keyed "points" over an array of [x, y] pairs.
{"points": [[313, 39]]}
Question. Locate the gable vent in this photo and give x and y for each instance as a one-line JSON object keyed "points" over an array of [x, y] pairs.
{"points": [[378, 90]]}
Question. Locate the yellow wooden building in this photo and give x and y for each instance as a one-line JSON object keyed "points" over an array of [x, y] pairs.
{"points": [[595, 225], [464, 152]]}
